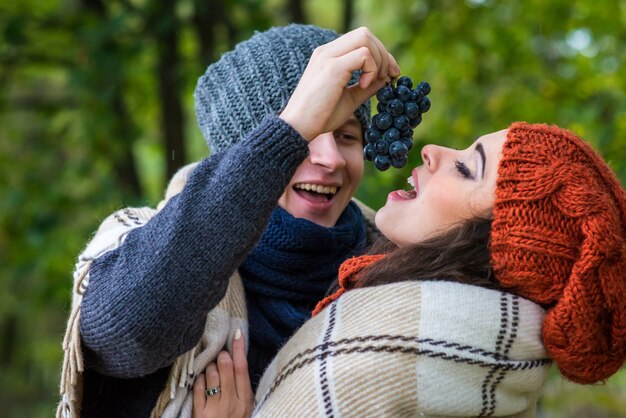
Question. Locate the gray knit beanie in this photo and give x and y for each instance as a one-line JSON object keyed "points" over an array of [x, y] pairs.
{"points": [[255, 79]]}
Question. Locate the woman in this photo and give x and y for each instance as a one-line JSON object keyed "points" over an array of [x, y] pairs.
{"points": [[502, 258]]}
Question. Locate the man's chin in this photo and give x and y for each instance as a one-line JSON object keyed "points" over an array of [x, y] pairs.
{"points": [[325, 218], [323, 213]]}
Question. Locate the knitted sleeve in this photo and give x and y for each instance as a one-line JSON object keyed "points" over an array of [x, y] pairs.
{"points": [[147, 300]]}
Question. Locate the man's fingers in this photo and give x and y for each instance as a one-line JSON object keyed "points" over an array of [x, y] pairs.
{"points": [[321, 100], [360, 95], [360, 59], [362, 37], [346, 43], [383, 59], [350, 42], [394, 68], [240, 362]]}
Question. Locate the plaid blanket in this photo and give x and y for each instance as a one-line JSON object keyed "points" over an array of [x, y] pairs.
{"points": [[411, 349]]}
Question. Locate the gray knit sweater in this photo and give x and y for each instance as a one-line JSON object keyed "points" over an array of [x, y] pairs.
{"points": [[147, 300]]}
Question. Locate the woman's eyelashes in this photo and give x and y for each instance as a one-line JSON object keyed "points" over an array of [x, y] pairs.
{"points": [[463, 170]]}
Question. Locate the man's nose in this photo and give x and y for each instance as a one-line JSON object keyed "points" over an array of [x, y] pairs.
{"points": [[323, 150]]}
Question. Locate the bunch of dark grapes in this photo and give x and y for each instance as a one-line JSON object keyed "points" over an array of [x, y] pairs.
{"points": [[390, 136]]}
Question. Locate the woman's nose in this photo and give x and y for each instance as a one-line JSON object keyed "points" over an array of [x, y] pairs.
{"points": [[428, 156], [323, 150], [433, 155]]}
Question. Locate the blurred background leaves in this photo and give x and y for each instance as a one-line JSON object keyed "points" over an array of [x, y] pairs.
{"points": [[96, 113]]}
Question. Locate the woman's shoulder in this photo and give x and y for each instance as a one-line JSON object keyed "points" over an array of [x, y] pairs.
{"points": [[442, 336], [444, 300]]}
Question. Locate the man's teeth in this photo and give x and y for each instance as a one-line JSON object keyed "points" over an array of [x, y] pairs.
{"points": [[411, 181], [318, 188]]}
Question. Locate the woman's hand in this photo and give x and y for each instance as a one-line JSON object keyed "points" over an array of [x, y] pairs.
{"points": [[321, 102], [234, 396]]}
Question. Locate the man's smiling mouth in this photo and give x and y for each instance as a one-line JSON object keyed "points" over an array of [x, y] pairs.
{"points": [[316, 191]]}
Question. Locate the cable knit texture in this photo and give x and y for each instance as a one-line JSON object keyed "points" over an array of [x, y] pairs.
{"points": [[292, 267], [255, 79], [558, 239]]}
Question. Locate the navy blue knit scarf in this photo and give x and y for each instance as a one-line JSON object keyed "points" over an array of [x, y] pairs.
{"points": [[291, 269]]}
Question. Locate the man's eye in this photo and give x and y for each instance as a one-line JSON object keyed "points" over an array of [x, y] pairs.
{"points": [[347, 136], [462, 169]]}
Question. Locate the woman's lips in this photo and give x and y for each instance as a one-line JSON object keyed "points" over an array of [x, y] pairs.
{"points": [[416, 184], [407, 194]]}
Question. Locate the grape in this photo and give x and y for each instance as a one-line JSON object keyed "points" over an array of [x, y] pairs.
{"points": [[417, 96], [407, 133], [398, 162], [405, 81], [403, 93], [414, 122], [401, 123], [390, 136], [398, 150], [395, 107], [385, 94], [425, 105], [424, 86], [411, 109], [369, 152], [384, 121], [382, 147], [382, 162], [372, 135]]}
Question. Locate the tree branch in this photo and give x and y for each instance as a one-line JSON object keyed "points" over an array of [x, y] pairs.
{"points": [[348, 15], [38, 103], [296, 11]]}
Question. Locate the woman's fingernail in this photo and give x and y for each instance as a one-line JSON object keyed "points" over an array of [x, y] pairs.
{"points": [[238, 334]]}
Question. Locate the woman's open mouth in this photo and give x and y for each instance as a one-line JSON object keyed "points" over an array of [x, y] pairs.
{"points": [[406, 194]]}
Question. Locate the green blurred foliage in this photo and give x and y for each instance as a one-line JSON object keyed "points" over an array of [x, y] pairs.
{"points": [[81, 127], [495, 62]]}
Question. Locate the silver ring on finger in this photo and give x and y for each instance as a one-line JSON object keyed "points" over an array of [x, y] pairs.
{"points": [[212, 391]]}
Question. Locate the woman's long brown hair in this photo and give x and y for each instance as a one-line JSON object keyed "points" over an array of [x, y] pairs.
{"points": [[460, 255]]}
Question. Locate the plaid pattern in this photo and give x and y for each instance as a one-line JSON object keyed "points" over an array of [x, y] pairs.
{"points": [[411, 349]]}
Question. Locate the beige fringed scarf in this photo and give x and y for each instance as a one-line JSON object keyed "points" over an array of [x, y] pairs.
{"points": [[222, 322], [411, 349]]}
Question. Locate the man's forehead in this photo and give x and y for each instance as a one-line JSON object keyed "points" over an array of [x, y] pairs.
{"points": [[352, 120]]}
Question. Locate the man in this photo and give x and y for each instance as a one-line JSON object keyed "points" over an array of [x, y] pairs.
{"points": [[159, 292]]}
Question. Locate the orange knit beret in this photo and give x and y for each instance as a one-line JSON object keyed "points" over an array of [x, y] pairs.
{"points": [[559, 238]]}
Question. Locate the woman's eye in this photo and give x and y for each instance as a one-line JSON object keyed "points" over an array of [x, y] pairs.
{"points": [[462, 169]]}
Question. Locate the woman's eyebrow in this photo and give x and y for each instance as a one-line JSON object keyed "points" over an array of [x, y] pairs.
{"points": [[481, 151]]}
